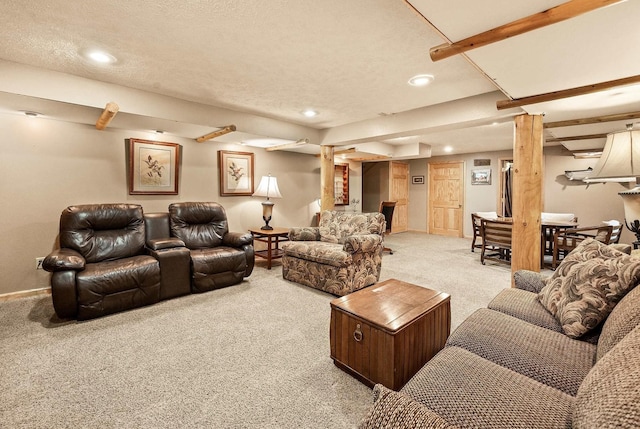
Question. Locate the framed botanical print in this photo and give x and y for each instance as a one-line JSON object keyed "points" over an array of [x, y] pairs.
{"points": [[153, 167], [236, 173]]}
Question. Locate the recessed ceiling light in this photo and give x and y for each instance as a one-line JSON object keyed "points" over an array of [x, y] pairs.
{"points": [[421, 80], [101, 57], [310, 113], [448, 149]]}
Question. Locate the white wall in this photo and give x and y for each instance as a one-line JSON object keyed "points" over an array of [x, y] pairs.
{"points": [[47, 165], [477, 197], [592, 203]]}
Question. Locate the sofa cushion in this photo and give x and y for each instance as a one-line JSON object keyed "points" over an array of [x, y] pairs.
{"points": [[111, 286], [543, 355], [623, 318], [318, 251], [304, 233], [200, 225], [335, 226], [103, 232], [525, 306], [470, 391], [587, 285], [218, 260], [394, 410], [610, 394]]}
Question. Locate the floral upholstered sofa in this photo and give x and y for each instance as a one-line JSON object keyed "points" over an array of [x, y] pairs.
{"points": [[341, 255]]}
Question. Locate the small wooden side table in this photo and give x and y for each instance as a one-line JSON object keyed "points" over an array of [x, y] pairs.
{"points": [[273, 238], [385, 333]]}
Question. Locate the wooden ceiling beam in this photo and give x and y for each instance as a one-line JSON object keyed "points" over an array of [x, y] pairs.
{"points": [[300, 142], [226, 130], [368, 158], [566, 93], [594, 120], [341, 152], [574, 138], [107, 115], [554, 15]]}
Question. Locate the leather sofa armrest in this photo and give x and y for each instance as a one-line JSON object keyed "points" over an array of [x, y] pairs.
{"points": [[529, 280], [64, 259], [362, 243], [306, 233], [237, 239], [165, 243]]}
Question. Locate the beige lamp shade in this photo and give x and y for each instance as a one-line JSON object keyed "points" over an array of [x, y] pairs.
{"points": [[268, 187], [620, 160]]}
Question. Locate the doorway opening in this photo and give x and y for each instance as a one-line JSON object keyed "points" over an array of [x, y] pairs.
{"points": [[506, 187]]}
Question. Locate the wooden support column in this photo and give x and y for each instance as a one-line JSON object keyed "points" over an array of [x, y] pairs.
{"points": [[527, 193], [327, 177]]}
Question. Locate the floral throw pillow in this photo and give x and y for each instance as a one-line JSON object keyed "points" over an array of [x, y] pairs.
{"points": [[587, 284]]}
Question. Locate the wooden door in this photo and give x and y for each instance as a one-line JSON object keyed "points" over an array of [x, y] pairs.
{"points": [[446, 197], [399, 192]]}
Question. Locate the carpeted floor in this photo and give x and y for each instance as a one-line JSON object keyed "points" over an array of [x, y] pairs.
{"points": [[255, 355]]}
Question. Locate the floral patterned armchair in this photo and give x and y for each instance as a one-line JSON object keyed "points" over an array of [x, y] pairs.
{"points": [[341, 255]]}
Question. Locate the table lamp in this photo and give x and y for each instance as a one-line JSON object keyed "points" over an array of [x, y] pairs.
{"points": [[268, 188]]}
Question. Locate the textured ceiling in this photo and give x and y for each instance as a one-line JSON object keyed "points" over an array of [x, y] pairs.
{"points": [[350, 60]]}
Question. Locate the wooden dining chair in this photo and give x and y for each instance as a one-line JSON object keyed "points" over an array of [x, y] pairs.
{"points": [[567, 240], [387, 208], [616, 230], [476, 242], [496, 237], [550, 225]]}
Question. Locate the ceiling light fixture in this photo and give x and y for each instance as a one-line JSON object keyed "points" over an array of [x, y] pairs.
{"points": [[448, 149], [310, 113], [101, 57], [421, 80]]}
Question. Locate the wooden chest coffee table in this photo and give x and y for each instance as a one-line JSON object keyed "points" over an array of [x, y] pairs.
{"points": [[385, 333]]}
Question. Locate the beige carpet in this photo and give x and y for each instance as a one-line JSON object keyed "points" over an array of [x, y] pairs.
{"points": [[255, 355]]}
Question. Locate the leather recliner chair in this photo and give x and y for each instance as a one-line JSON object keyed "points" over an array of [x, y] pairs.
{"points": [[219, 258], [102, 266]]}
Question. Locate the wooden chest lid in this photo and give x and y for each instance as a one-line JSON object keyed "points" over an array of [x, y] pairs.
{"points": [[391, 304]]}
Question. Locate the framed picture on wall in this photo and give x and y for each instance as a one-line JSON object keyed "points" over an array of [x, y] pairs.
{"points": [[153, 167], [417, 180], [481, 176], [236, 173]]}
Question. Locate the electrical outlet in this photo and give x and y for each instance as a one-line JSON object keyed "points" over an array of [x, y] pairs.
{"points": [[39, 263]]}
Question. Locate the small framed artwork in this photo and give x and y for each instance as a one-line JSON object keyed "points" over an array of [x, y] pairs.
{"points": [[153, 167], [481, 176], [417, 180], [236, 173]]}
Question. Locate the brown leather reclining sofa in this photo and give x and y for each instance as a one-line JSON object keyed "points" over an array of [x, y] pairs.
{"points": [[113, 257]]}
